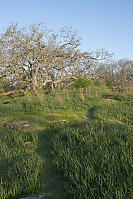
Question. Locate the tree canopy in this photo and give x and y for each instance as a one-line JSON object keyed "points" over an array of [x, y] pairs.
{"points": [[32, 57]]}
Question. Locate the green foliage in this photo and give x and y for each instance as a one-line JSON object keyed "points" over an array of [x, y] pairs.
{"points": [[4, 85], [98, 83], [120, 110], [63, 100], [96, 161], [41, 91], [110, 84], [27, 104], [83, 83], [92, 153], [19, 164]]}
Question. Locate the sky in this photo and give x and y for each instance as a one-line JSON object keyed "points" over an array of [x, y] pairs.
{"points": [[102, 24]]}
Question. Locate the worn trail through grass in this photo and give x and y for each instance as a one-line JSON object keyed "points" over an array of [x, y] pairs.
{"points": [[87, 115]]}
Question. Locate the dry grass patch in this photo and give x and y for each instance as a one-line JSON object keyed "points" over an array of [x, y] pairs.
{"points": [[116, 121], [54, 114], [110, 101]]}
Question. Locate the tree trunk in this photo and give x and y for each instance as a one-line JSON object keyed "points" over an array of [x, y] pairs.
{"points": [[34, 86], [34, 83]]}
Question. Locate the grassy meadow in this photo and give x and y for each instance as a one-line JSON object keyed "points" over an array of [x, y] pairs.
{"points": [[87, 156]]}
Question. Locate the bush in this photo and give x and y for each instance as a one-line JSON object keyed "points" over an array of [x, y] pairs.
{"points": [[110, 84], [98, 83], [83, 83]]}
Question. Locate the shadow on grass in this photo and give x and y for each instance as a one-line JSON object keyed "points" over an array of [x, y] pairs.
{"points": [[52, 180], [91, 112]]}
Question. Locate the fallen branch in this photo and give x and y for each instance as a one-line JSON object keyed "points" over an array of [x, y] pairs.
{"points": [[12, 92]]}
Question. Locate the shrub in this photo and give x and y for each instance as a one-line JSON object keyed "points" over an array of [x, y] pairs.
{"points": [[83, 83], [98, 83], [110, 84]]}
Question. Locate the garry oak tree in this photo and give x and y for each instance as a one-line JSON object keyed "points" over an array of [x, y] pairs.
{"points": [[34, 56]]}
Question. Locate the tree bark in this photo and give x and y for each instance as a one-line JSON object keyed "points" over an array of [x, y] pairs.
{"points": [[34, 82]]}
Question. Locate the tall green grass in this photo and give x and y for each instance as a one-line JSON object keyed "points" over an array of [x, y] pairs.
{"points": [[63, 100], [120, 110], [19, 164], [96, 162], [93, 153]]}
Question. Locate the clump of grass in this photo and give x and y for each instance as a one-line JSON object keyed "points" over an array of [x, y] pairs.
{"points": [[121, 111], [19, 165], [96, 161], [65, 100]]}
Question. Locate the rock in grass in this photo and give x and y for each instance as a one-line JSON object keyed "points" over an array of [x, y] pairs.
{"points": [[38, 197], [17, 124], [6, 102], [61, 122], [29, 144]]}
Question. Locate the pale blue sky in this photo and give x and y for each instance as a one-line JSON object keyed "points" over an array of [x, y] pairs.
{"points": [[101, 23]]}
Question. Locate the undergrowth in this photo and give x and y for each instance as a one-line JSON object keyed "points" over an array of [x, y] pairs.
{"points": [[96, 161], [92, 153], [19, 164]]}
